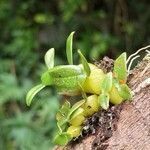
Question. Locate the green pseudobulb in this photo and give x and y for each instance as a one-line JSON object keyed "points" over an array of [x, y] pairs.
{"points": [[115, 98], [97, 88], [74, 131], [91, 105], [77, 118], [93, 82]]}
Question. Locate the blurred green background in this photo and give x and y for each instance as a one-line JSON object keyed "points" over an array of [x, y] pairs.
{"points": [[28, 28]]}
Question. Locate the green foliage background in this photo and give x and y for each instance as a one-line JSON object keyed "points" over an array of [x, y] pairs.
{"points": [[29, 28]]}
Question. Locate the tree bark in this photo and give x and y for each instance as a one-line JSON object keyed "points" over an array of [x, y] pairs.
{"points": [[133, 126]]}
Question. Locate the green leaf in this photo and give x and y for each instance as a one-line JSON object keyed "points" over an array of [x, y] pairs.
{"points": [[62, 124], [65, 108], [69, 48], [125, 92], [59, 127], [49, 58], [84, 63], [75, 107], [33, 92], [116, 83], [107, 82], [46, 79], [62, 139], [62, 115], [120, 68], [82, 91], [104, 100], [63, 112]]}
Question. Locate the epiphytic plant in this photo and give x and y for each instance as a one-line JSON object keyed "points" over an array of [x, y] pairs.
{"points": [[83, 79]]}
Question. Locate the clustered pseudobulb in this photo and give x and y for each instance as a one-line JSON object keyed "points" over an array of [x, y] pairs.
{"points": [[98, 87]]}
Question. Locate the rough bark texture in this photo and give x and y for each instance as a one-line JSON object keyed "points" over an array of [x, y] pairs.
{"points": [[133, 126]]}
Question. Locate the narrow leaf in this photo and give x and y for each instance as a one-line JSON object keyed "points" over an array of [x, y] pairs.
{"points": [[63, 111], [69, 48], [49, 58], [120, 68], [107, 82], [104, 100], [125, 92], [33, 92], [65, 108], [75, 107], [59, 127], [62, 139], [84, 63], [82, 91], [61, 116], [62, 125]]}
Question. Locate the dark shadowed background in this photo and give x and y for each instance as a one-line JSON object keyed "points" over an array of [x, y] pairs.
{"points": [[29, 28]]}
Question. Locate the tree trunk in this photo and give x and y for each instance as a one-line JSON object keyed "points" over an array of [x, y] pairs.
{"points": [[133, 126]]}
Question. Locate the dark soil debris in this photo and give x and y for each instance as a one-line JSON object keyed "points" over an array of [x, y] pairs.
{"points": [[102, 124], [106, 64]]}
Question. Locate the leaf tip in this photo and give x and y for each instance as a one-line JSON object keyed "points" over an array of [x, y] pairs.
{"points": [[84, 63], [49, 58], [28, 102], [73, 32], [69, 48], [30, 95]]}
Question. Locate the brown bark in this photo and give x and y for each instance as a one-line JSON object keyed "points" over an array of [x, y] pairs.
{"points": [[133, 127]]}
